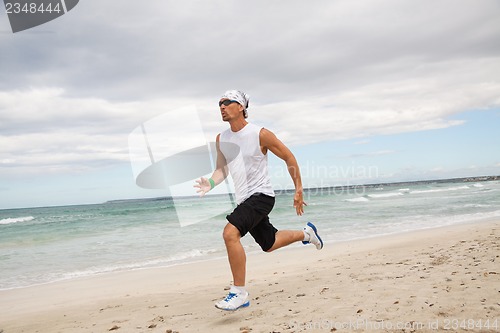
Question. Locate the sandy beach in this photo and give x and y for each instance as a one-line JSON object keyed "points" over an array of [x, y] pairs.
{"points": [[442, 279]]}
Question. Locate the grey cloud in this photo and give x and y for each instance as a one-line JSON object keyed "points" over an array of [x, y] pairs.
{"points": [[116, 50], [328, 70]]}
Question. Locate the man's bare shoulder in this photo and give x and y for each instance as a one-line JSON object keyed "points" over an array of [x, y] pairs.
{"points": [[266, 134], [268, 139]]}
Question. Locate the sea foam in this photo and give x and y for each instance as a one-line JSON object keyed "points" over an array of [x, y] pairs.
{"points": [[11, 220]]}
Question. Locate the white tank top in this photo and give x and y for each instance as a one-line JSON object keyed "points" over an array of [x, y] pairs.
{"points": [[247, 164]]}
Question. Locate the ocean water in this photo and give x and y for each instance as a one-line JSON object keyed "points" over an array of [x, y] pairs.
{"points": [[42, 245]]}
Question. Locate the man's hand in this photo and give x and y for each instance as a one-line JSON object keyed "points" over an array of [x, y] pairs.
{"points": [[298, 202], [203, 186]]}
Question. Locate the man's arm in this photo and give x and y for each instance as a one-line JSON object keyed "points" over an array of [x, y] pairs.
{"points": [[269, 141], [219, 174], [221, 170]]}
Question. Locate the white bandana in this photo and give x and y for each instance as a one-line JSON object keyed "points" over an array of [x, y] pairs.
{"points": [[238, 96]]}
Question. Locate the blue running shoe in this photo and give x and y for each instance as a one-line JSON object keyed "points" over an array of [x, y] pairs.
{"points": [[314, 238], [233, 302]]}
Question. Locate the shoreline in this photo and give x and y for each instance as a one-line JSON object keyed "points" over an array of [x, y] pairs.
{"points": [[253, 251], [434, 274]]}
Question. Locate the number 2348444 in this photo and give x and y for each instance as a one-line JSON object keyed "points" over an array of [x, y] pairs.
{"points": [[32, 8]]}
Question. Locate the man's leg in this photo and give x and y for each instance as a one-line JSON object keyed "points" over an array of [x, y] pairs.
{"points": [[238, 297], [286, 237], [235, 253]]}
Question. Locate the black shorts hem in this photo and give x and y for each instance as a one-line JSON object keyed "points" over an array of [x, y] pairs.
{"points": [[231, 220], [251, 216]]}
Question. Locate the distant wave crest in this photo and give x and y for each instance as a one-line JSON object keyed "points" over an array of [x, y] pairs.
{"points": [[446, 189], [405, 191], [11, 220], [385, 195], [358, 199]]}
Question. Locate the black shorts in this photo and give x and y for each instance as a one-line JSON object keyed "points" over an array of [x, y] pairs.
{"points": [[252, 216]]}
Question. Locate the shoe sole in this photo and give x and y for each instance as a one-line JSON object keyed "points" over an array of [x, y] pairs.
{"points": [[313, 227], [244, 305]]}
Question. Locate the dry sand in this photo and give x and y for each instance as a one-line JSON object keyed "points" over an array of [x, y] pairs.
{"points": [[443, 279]]}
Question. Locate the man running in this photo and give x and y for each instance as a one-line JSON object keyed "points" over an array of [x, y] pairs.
{"points": [[242, 149]]}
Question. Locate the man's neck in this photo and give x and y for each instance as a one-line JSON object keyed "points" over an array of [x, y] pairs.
{"points": [[238, 124]]}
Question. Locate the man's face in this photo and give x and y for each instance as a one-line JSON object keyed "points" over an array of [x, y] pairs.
{"points": [[230, 111]]}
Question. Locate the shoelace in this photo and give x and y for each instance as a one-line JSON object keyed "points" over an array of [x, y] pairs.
{"points": [[230, 296]]}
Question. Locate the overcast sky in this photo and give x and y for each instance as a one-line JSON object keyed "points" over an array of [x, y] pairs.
{"points": [[410, 89]]}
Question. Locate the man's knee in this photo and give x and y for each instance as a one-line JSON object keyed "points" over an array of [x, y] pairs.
{"points": [[272, 248], [231, 233]]}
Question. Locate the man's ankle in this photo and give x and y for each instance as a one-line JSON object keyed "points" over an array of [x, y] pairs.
{"points": [[238, 290]]}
